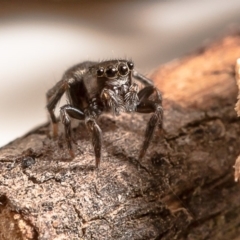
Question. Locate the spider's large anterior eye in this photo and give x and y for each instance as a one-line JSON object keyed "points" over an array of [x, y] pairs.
{"points": [[111, 71], [130, 65], [123, 69], [100, 72]]}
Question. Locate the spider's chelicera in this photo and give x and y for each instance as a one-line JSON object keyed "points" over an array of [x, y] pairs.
{"points": [[96, 87]]}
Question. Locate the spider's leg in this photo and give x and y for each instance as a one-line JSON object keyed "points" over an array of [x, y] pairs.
{"points": [[66, 112], [53, 96], [148, 106], [141, 78], [96, 138]]}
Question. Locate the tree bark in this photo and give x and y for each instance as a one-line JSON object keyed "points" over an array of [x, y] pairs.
{"points": [[183, 189]]}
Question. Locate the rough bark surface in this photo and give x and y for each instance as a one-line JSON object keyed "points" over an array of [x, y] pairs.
{"points": [[183, 189], [237, 69], [237, 108]]}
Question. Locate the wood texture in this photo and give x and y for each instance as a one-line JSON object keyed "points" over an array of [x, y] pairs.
{"points": [[237, 107], [183, 189]]}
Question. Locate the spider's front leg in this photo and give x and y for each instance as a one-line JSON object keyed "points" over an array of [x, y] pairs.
{"points": [[148, 106], [53, 96], [66, 112], [96, 138]]}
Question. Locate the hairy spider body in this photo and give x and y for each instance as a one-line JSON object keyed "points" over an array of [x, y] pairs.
{"points": [[96, 87]]}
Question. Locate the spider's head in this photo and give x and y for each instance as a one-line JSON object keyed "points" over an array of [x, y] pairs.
{"points": [[115, 69]]}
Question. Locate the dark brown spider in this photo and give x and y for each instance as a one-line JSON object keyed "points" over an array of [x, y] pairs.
{"points": [[96, 87]]}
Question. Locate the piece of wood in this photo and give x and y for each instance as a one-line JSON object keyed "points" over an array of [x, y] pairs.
{"points": [[183, 189], [237, 108]]}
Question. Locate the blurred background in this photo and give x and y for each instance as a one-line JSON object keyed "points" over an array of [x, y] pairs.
{"points": [[40, 40]]}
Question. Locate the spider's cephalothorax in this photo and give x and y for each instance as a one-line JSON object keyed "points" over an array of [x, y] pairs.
{"points": [[93, 88]]}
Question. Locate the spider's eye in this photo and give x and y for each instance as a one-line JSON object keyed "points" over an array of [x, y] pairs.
{"points": [[100, 72], [123, 69], [111, 71], [130, 65]]}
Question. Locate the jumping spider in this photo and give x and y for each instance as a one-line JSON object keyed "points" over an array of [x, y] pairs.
{"points": [[96, 87]]}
